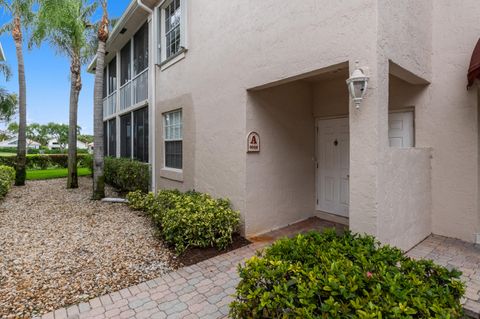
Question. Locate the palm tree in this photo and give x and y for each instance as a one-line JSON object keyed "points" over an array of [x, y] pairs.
{"points": [[66, 25], [22, 17], [98, 162]]}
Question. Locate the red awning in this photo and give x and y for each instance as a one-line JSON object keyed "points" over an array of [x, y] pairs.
{"points": [[474, 69]]}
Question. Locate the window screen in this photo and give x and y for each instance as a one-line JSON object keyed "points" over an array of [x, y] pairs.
{"points": [[105, 138], [140, 50], [126, 64], [173, 136], [173, 15], [112, 138], [105, 81], [140, 134], [112, 76], [126, 135]]}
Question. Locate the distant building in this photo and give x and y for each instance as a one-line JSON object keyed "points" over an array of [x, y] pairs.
{"points": [[53, 144], [13, 142]]}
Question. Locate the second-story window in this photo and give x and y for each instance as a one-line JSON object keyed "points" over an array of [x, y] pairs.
{"points": [[112, 76], [140, 50], [172, 26]]}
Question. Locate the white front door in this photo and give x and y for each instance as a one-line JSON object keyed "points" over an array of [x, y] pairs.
{"points": [[333, 164], [400, 129]]}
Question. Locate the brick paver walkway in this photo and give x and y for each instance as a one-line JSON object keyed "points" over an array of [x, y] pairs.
{"points": [[199, 291], [205, 290], [454, 253]]}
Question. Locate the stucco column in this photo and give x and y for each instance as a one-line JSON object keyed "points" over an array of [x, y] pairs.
{"points": [[368, 140]]}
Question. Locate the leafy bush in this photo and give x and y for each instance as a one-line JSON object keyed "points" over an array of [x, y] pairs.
{"points": [[127, 175], [39, 161], [86, 160], [8, 160], [349, 276], [189, 219], [7, 176]]}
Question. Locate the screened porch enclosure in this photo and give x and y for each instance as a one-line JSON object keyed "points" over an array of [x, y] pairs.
{"points": [[130, 89]]}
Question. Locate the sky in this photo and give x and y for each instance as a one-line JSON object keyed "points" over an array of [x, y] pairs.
{"points": [[47, 77]]}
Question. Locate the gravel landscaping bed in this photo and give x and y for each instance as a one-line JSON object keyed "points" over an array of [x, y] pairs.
{"points": [[57, 248]]}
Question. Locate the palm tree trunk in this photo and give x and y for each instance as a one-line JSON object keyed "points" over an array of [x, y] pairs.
{"points": [[75, 87], [22, 101], [98, 155], [98, 162]]}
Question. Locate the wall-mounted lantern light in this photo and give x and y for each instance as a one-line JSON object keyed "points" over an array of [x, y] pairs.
{"points": [[357, 85]]}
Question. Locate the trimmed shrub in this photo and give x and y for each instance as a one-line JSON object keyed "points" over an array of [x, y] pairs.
{"points": [[127, 175], [324, 275], [86, 161], [8, 160], [39, 161], [44, 161], [189, 219], [7, 176]]}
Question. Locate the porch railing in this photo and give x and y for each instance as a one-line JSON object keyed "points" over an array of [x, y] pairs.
{"points": [[140, 87], [112, 103], [125, 96], [105, 107]]}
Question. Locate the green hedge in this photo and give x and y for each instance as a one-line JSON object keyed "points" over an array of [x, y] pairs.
{"points": [[37, 161], [7, 176], [127, 175], [348, 276], [189, 219], [40, 151]]}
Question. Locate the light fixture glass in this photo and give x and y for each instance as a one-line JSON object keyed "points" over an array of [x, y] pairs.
{"points": [[357, 85]]}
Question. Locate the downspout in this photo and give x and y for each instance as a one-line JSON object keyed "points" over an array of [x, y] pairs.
{"points": [[145, 7]]}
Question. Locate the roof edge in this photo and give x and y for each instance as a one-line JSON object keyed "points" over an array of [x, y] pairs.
{"points": [[132, 7]]}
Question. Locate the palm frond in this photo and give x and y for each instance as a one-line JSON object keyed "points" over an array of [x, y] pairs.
{"points": [[5, 70]]}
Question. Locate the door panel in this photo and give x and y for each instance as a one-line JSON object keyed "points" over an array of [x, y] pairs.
{"points": [[333, 156], [400, 129]]}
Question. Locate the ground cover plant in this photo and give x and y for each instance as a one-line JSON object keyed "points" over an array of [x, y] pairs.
{"points": [[189, 219], [325, 275]]}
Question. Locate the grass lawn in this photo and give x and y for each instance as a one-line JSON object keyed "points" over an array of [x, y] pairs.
{"points": [[7, 154], [54, 173]]}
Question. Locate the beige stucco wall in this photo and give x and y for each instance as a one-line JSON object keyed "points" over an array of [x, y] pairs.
{"points": [[330, 97], [234, 46], [452, 121], [282, 175], [405, 217]]}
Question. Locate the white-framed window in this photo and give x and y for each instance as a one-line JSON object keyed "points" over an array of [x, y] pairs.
{"points": [[172, 29], [173, 139]]}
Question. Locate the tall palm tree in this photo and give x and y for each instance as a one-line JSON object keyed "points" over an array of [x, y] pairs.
{"points": [[98, 160], [22, 17], [66, 25]]}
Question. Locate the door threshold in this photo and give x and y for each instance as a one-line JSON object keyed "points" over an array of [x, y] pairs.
{"points": [[332, 217]]}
